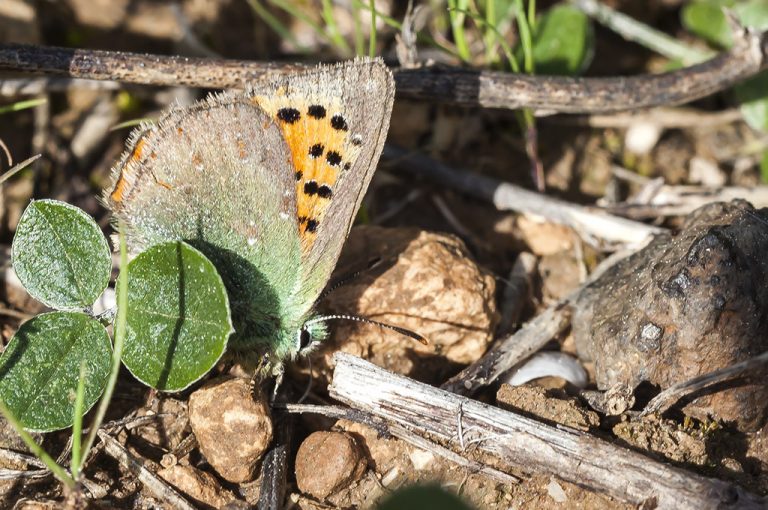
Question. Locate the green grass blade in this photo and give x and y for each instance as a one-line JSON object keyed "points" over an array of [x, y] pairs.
{"points": [[37, 450], [372, 37], [276, 25], [526, 39], [332, 30], [119, 342], [77, 424], [22, 105], [456, 9]]}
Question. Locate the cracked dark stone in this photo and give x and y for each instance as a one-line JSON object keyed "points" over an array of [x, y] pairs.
{"points": [[684, 306]]}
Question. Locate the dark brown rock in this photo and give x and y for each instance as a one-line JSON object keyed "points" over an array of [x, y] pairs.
{"points": [[685, 306], [328, 462]]}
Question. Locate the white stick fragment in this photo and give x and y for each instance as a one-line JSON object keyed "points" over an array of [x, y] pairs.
{"points": [[522, 444]]}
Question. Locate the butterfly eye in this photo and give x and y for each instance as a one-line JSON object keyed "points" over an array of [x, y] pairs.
{"points": [[305, 339]]}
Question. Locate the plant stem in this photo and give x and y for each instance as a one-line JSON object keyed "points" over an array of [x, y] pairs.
{"points": [[18, 168], [333, 29], [77, 424], [276, 25], [456, 10], [526, 40], [372, 39], [22, 105], [117, 350], [491, 34]]}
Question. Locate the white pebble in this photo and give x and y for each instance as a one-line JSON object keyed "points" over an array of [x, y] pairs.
{"points": [[546, 364]]}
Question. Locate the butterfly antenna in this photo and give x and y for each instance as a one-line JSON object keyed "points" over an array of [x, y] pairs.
{"points": [[348, 277], [405, 332]]}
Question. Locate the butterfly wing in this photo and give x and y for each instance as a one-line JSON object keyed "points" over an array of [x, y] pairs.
{"points": [[335, 120], [219, 175]]}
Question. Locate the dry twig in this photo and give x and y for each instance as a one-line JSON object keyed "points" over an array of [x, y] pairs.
{"points": [[674, 393], [532, 336], [590, 223], [545, 94]]}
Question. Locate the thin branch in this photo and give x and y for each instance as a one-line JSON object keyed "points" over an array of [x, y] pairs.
{"points": [[532, 336], [454, 86], [514, 442], [678, 200], [673, 394], [590, 223]]}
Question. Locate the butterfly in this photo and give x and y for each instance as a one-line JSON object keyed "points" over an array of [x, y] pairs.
{"points": [[266, 183]]}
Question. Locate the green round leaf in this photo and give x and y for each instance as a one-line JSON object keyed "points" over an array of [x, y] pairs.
{"points": [[753, 13], [427, 497], [60, 255], [753, 96], [563, 43], [707, 20], [178, 316], [40, 367]]}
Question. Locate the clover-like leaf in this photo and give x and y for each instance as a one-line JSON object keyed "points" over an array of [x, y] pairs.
{"points": [[178, 316], [563, 43], [753, 98], [60, 255], [707, 20], [40, 367]]}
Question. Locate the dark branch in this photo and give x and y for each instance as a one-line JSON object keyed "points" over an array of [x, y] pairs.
{"points": [[544, 94]]}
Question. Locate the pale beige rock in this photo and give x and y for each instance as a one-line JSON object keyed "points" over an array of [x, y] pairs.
{"points": [[543, 238], [328, 462], [232, 429], [427, 283], [198, 485]]}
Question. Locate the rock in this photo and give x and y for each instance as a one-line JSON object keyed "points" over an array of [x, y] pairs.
{"points": [[427, 283], [198, 485], [328, 462], [685, 306], [232, 428]]}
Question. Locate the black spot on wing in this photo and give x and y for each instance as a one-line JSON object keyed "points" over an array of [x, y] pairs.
{"points": [[316, 150], [339, 123], [333, 158], [310, 188], [288, 115], [316, 111], [324, 191]]}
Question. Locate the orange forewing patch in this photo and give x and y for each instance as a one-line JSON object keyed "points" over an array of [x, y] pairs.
{"points": [[320, 153]]}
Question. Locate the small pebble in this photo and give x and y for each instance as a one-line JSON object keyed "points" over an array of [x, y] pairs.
{"points": [[556, 492], [328, 462], [421, 459], [198, 485], [232, 429]]}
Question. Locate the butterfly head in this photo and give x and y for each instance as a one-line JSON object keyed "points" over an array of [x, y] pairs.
{"points": [[309, 337]]}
